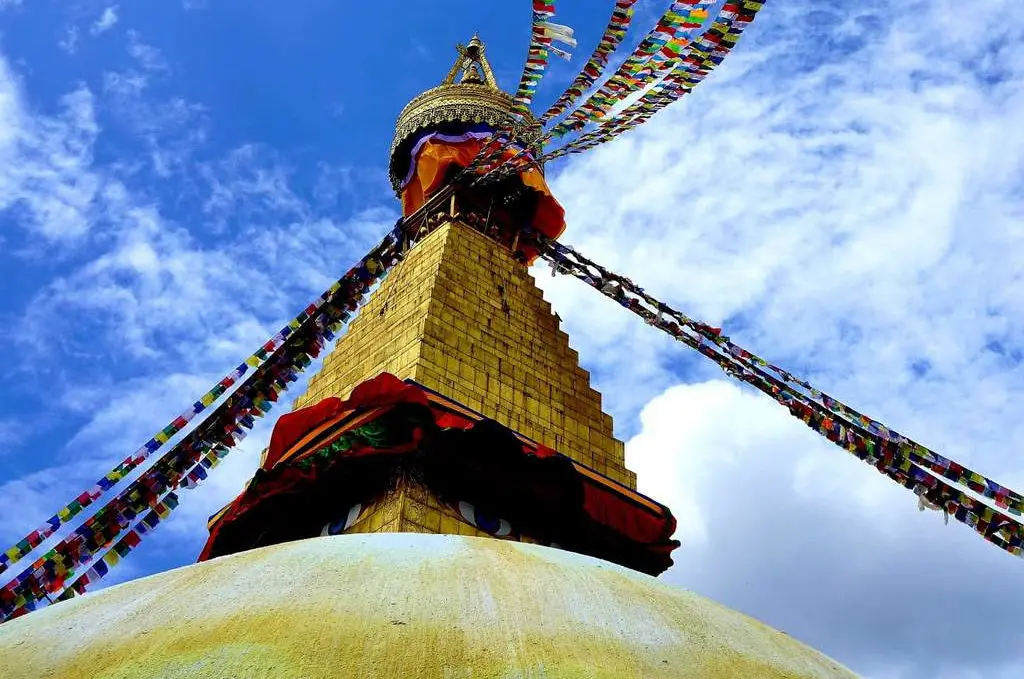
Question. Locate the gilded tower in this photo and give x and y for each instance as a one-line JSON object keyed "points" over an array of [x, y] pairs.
{"points": [[463, 317], [482, 422]]}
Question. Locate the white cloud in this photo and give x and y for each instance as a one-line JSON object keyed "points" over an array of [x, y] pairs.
{"points": [[421, 50], [45, 161], [240, 180], [782, 525], [172, 129], [69, 43], [148, 57], [106, 21], [161, 293], [844, 196], [11, 433]]}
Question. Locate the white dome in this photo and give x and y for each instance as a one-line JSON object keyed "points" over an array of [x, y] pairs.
{"points": [[400, 605]]}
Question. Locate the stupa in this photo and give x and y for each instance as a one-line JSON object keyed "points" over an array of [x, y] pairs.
{"points": [[447, 499]]}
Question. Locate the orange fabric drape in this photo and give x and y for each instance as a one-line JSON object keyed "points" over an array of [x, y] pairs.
{"points": [[431, 165], [435, 158]]}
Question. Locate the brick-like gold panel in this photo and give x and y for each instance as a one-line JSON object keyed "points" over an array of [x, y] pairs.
{"points": [[463, 318], [411, 507]]}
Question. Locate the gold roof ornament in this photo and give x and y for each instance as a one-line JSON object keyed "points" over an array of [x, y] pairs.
{"points": [[469, 94]]}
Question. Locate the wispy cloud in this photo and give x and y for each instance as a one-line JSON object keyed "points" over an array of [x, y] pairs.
{"points": [[69, 41], [11, 433], [242, 181], [106, 21], [171, 129], [148, 57], [45, 162], [421, 50]]}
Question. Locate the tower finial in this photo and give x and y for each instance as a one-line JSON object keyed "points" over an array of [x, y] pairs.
{"points": [[472, 64]]}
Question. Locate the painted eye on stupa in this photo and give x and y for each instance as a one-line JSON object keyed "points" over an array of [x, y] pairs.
{"points": [[485, 522], [344, 523]]}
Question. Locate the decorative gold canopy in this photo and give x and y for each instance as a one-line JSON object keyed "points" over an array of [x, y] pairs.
{"points": [[469, 94]]}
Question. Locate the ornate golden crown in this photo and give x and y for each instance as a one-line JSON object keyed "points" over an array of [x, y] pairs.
{"points": [[475, 98]]}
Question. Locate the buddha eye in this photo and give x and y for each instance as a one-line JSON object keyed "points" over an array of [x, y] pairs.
{"points": [[485, 522], [344, 523]]}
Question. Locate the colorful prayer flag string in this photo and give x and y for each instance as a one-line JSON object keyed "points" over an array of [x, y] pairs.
{"points": [[618, 25], [657, 52], [907, 462], [120, 549], [691, 65], [542, 34], [212, 440], [623, 82], [133, 537]]}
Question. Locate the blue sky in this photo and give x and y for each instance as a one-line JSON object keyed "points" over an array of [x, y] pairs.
{"points": [[844, 195]]}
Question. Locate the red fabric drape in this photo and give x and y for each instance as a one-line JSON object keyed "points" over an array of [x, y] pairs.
{"points": [[646, 524], [385, 389], [293, 426]]}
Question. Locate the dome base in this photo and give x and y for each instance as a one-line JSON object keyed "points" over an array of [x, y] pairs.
{"points": [[400, 605]]}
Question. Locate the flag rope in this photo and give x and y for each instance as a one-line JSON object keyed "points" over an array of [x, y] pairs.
{"points": [[914, 466], [666, 29], [542, 34]]}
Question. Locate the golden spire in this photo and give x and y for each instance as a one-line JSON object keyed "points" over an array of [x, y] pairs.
{"points": [[473, 64]]}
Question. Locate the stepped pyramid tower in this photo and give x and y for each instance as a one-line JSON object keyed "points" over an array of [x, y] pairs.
{"points": [[447, 498], [464, 319]]}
